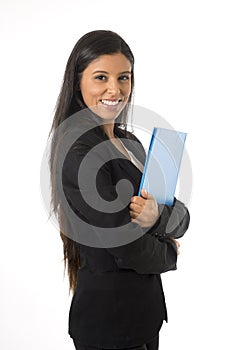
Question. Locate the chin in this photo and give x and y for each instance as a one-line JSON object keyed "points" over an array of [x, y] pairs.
{"points": [[106, 114]]}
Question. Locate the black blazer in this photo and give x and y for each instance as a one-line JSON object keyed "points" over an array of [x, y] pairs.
{"points": [[119, 300]]}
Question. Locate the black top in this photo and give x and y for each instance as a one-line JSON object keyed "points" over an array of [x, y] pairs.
{"points": [[119, 300]]}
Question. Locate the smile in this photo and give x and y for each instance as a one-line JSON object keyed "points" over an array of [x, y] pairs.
{"points": [[110, 103]]}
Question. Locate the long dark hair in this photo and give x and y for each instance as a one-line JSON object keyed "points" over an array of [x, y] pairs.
{"points": [[70, 100]]}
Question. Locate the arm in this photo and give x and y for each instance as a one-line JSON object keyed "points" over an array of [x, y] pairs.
{"points": [[147, 254], [173, 221]]}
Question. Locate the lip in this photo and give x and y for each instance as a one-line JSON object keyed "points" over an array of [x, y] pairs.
{"points": [[111, 103], [111, 99]]}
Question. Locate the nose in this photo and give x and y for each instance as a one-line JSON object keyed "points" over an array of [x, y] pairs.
{"points": [[113, 87]]}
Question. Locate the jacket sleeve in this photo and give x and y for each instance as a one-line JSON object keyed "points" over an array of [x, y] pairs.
{"points": [[148, 254], [173, 221]]}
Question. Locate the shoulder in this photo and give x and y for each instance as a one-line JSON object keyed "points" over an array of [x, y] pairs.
{"points": [[88, 145]]}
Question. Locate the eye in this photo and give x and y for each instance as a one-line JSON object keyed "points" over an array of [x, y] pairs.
{"points": [[124, 77], [101, 77]]}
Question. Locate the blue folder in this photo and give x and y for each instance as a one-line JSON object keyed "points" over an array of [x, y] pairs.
{"points": [[162, 164]]}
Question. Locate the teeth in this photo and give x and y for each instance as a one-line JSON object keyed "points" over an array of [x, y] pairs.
{"points": [[110, 103]]}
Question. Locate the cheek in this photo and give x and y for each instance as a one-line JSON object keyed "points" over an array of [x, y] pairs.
{"points": [[128, 88], [90, 94], [127, 91]]}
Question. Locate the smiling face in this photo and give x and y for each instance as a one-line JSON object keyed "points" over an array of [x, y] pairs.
{"points": [[106, 85]]}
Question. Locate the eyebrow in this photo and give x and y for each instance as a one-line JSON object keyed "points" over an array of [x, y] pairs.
{"points": [[103, 71]]}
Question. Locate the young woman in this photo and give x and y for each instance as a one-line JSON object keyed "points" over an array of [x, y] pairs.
{"points": [[116, 244]]}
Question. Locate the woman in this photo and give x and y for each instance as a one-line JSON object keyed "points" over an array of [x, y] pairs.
{"points": [[118, 299]]}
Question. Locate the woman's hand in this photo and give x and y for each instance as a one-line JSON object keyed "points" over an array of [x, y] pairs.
{"points": [[144, 209], [177, 245]]}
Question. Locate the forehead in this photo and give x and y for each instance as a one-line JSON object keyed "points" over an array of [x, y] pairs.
{"points": [[111, 63]]}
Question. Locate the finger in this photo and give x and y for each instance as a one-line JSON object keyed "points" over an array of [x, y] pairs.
{"points": [[133, 215], [148, 197], [136, 208], [177, 243], [144, 193], [138, 200]]}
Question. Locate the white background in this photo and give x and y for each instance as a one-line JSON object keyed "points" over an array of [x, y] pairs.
{"points": [[184, 72]]}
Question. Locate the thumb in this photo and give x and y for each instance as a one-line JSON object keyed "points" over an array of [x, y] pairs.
{"points": [[147, 195], [144, 193]]}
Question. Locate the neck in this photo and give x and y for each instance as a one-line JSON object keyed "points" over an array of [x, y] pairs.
{"points": [[109, 130]]}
